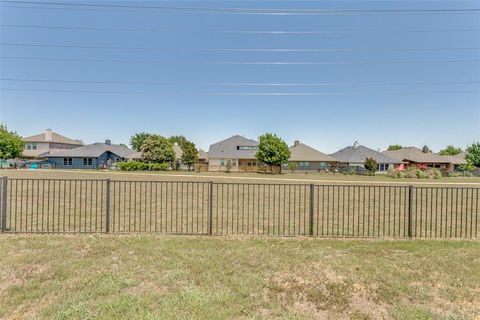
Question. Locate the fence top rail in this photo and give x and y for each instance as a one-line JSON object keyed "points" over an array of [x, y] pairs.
{"points": [[333, 184]]}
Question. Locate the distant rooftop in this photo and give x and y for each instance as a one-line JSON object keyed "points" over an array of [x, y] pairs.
{"points": [[50, 136]]}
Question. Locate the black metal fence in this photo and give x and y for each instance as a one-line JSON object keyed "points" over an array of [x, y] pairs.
{"points": [[177, 207]]}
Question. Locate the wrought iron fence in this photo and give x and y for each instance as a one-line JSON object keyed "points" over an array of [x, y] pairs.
{"points": [[211, 208]]}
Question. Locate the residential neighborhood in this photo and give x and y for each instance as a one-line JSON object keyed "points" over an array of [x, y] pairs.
{"points": [[237, 153]]}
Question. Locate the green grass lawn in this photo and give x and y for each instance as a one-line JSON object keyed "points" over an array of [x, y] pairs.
{"points": [[146, 277]]}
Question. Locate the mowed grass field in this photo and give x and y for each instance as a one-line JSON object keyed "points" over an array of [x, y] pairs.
{"points": [[149, 277]]}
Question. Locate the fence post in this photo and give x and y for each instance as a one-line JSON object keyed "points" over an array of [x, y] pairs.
{"points": [[4, 204], [410, 204], [210, 208], [107, 218], [311, 209]]}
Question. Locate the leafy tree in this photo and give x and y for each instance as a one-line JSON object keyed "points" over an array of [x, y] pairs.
{"points": [[157, 149], [473, 154], [272, 150], [371, 165], [189, 154], [180, 140], [11, 144], [450, 151], [136, 141], [394, 147]]}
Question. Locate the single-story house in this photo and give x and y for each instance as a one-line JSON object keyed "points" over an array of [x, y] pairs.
{"points": [[92, 156], [458, 160], [236, 153], [355, 156], [307, 158], [416, 156], [41, 145]]}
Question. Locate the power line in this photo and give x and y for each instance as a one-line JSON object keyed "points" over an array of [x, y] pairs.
{"points": [[242, 62], [237, 49], [268, 11], [246, 84], [238, 93], [260, 32]]}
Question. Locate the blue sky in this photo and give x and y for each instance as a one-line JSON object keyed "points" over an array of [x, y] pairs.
{"points": [[391, 78]]}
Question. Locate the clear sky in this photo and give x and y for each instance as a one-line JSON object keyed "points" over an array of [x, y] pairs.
{"points": [[411, 78]]}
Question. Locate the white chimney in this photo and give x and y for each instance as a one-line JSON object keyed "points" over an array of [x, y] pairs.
{"points": [[48, 134], [296, 143]]}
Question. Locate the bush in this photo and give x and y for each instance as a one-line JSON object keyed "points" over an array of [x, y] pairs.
{"points": [[415, 173], [142, 166]]}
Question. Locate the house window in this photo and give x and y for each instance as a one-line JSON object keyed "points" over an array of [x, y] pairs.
{"points": [[382, 166], [67, 161], [31, 146], [87, 162], [222, 162], [247, 148], [304, 164]]}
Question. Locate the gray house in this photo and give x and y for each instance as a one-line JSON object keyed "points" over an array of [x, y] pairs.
{"points": [[236, 153], [92, 156], [307, 158], [354, 156]]}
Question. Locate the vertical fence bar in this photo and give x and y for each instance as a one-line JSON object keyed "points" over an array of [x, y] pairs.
{"points": [[410, 202], [4, 204], [311, 211], [107, 207], [210, 208]]}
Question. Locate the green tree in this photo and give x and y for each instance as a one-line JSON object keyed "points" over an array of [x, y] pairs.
{"points": [[370, 165], [11, 144], [178, 139], [157, 149], [137, 140], [292, 166], [450, 151], [394, 147], [272, 150], [189, 154], [473, 154]]}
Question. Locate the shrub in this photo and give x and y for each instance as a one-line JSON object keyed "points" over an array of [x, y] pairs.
{"points": [[158, 166], [142, 166], [371, 165]]}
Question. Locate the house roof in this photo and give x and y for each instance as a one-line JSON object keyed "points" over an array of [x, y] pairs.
{"points": [[34, 153], [458, 158], [302, 152], [414, 154], [229, 148], [56, 138], [94, 150], [358, 154]]}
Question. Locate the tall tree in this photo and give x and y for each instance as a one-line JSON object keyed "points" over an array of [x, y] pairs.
{"points": [[11, 144], [137, 140], [189, 154], [157, 149], [473, 154], [178, 140], [394, 147], [450, 151], [272, 150], [371, 165]]}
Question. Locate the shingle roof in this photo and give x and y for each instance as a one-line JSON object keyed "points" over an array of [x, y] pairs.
{"points": [[414, 154], [302, 152], [56, 138], [94, 150], [34, 153], [458, 158], [228, 148], [358, 154]]}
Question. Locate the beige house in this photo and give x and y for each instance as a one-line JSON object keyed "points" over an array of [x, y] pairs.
{"points": [[307, 158], [236, 153], [49, 142]]}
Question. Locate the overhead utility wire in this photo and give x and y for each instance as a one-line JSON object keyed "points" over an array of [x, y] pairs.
{"points": [[42, 45], [275, 32], [240, 62], [268, 11]]}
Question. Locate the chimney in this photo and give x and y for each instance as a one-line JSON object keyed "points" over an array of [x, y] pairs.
{"points": [[108, 142], [355, 145], [296, 143], [48, 134]]}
